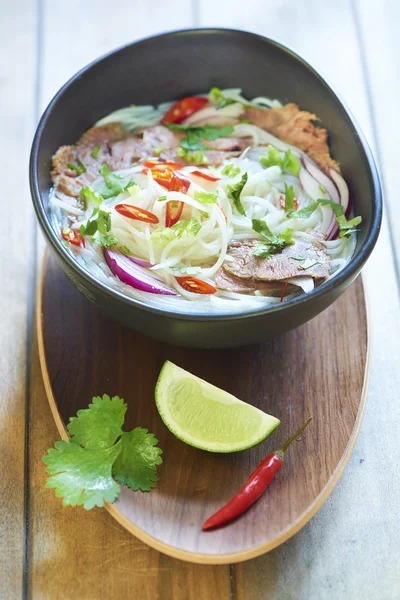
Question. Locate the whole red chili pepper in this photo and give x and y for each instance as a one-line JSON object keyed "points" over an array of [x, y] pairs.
{"points": [[255, 486]]}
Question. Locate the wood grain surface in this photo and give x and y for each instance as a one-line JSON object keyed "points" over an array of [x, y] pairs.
{"points": [[297, 375], [350, 548], [17, 128]]}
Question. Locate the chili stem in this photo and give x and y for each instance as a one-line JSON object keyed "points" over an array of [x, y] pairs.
{"points": [[296, 435]]}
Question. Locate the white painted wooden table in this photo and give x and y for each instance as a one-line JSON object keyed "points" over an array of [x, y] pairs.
{"points": [[350, 550]]}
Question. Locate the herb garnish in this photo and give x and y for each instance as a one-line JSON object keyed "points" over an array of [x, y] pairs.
{"points": [[100, 451], [100, 220], [205, 198], [197, 157], [108, 241], [90, 196], [275, 244], [219, 98], [308, 263], [346, 227], [230, 170], [234, 192], [289, 197], [184, 226], [79, 168], [95, 152], [194, 134], [114, 184], [187, 270], [289, 163]]}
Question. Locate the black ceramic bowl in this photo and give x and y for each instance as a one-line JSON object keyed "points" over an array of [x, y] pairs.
{"points": [[168, 67]]}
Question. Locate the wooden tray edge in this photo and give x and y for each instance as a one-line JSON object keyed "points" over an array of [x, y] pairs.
{"points": [[194, 557]]}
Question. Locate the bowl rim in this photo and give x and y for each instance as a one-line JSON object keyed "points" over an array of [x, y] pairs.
{"points": [[350, 270]]}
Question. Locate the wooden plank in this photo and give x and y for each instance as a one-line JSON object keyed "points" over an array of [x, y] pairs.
{"points": [[88, 555], [116, 359], [379, 38], [75, 554], [360, 517], [17, 110]]}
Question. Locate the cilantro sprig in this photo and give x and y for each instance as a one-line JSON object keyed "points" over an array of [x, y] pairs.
{"points": [[275, 243], [346, 227], [114, 184], [194, 134], [234, 192], [99, 455]]}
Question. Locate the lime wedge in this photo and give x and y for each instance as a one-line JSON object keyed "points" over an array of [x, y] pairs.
{"points": [[205, 416]]}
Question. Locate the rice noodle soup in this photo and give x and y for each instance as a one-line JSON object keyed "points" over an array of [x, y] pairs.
{"points": [[211, 204]]}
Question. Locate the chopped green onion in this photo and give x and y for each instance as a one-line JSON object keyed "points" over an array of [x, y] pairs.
{"points": [[95, 152], [205, 198], [230, 170], [308, 263]]}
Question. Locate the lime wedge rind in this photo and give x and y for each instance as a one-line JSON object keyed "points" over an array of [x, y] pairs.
{"points": [[206, 417]]}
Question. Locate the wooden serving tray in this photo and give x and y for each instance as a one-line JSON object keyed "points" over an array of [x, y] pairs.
{"points": [[318, 370]]}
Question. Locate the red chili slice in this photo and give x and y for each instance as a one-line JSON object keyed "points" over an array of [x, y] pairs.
{"points": [[139, 214], [182, 109], [282, 202], [173, 212], [170, 180], [197, 286], [205, 176], [73, 237], [167, 164]]}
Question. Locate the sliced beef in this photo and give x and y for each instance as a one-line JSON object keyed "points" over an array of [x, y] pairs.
{"points": [[68, 182], [241, 262], [296, 127], [120, 150], [229, 283]]}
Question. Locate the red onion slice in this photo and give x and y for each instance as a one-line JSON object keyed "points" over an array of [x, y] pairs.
{"points": [[342, 187], [305, 282], [141, 262], [322, 179], [135, 275]]}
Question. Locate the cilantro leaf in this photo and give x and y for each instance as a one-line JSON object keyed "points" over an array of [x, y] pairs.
{"points": [[195, 133], [234, 192], [114, 184], [219, 98], [263, 250], [205, 198], [90, 196], [100, 220], [100, 425], [137, 461], [82, 476], [230, 170], [276, 243], [190, 227], [346, 227]]}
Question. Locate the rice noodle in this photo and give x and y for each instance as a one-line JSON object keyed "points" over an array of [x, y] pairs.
{"points": [[220, 223]]}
